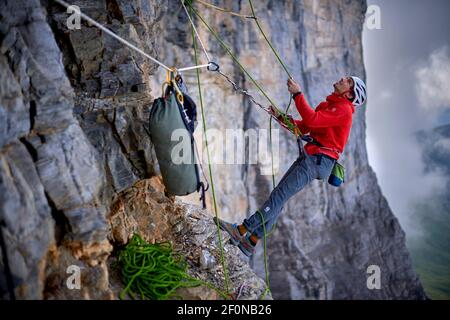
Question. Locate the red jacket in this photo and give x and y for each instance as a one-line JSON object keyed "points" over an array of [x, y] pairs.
{"points": [[329, 124]]}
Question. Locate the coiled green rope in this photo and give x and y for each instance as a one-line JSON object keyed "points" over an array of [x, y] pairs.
{"points": [[154, 271]]}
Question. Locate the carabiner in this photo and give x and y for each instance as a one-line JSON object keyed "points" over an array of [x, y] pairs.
{"points": [[212, 66]]}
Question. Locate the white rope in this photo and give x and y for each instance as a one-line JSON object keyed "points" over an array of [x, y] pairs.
{"points": [[112, 34], [125, 42], [195, 30], [194, 67]]}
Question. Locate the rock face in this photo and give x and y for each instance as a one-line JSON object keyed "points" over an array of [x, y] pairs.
{"points": [[144, 209], [75, 157]]}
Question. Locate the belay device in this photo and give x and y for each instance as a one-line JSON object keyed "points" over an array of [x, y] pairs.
{"points": [[175, 111]]}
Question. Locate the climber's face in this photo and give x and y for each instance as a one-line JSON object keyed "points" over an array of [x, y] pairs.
{"points": [[344, 86]]}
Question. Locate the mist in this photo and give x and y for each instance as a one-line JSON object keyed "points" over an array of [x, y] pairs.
{"points": [[408, 75]]}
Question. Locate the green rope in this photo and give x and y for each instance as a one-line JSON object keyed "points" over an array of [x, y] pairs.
{"points": [[283, 115], [210, 5], [266, 269], [267, 40], [153, 271], [273, 175], [222, 255], [227, 49], [290, 126], [270, 124], [273, 171], [289, 105], [271, 151], [275, 52]]}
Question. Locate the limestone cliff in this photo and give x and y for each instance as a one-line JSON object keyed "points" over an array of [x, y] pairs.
{"points": [[75, 160]]}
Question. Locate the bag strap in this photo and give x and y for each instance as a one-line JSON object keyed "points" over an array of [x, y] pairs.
{"points": [[203, 194]]}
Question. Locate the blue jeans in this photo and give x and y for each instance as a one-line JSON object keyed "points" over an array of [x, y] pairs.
{"points": [[300, 174]]}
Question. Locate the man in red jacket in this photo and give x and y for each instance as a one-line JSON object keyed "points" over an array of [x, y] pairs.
{"points": [[329, 126]]}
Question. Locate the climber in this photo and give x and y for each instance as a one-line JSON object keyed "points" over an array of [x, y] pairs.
{"points": [[329, 126]]}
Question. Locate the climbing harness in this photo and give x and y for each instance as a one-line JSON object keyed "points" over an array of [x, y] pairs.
{"points": [[337, 176]]}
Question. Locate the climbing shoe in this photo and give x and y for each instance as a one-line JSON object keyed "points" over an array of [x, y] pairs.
{"points": [[246, 246], [231, 229]]}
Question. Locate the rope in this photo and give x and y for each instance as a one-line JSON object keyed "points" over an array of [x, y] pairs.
{"points": [[194, 67], [289, 125], [285, 120], [222, 255], [200, 164], [266, 269], [195, 30], [153, 271], [227, 49], [125, 42], [242, 91], [270, 135], [275, 52], [267, 40], [271, 152], [112, 34], [210, 5], [237, 88], [252, 99]]}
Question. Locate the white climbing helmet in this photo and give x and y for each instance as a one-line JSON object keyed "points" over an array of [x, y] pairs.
{"points": [[360, 91]]}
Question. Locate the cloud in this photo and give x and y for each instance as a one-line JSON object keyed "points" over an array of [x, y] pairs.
{"points": [[405, 180], [443, 145], [433, 81], [385, 94], [408, 97]]}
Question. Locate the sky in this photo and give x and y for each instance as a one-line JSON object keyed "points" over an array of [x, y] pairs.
{"points": [[408, 77]]}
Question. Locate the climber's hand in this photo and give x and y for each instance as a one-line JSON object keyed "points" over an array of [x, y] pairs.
{"points": [[274, 111], [293, 87]]}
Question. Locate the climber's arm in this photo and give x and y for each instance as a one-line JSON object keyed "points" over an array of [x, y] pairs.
{"points": [[302, 126], [322, 118]]}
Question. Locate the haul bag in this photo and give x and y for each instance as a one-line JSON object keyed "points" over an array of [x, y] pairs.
{"points": [[166, 116]]}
